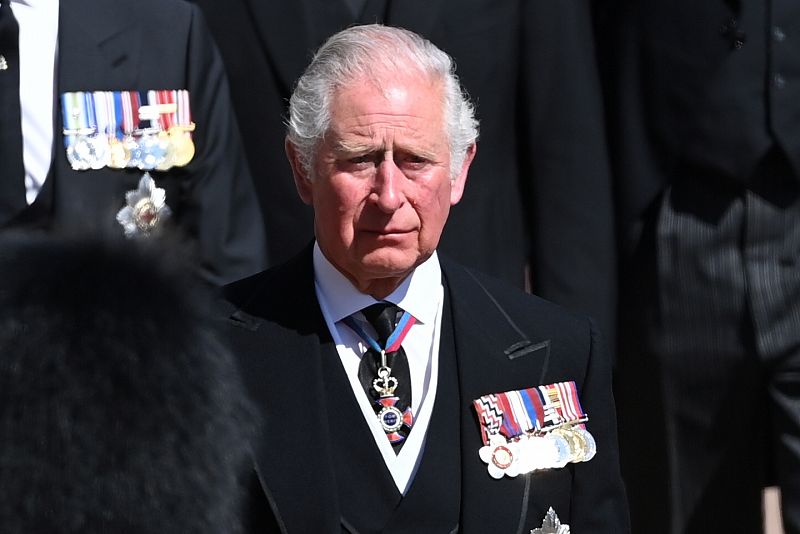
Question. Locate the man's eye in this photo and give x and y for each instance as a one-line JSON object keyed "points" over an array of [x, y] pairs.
{"points": [[359, 159], [412, 161]]}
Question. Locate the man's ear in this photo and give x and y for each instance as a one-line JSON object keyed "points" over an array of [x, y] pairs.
{"points": [[302, 180], [458, 183]]}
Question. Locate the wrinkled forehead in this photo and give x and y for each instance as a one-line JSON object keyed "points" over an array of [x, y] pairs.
{"points": [[391, 88], [399, 100]]}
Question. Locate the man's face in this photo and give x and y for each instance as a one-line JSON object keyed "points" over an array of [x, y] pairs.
{"points": [[381, 188]]}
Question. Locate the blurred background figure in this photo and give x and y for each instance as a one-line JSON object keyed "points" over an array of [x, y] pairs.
{"points": [[96, 95], [120, 411], [703, 106], [537, 210]]}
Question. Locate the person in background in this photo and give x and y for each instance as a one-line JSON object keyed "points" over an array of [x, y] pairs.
{"points": [[121, 410], [116, 116], [703, 111], [398, 390]]}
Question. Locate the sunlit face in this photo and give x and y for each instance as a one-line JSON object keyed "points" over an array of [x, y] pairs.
{"points": [[381, 188]]}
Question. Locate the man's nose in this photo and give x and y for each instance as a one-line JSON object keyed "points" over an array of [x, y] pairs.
{"points": [[387, 190]]}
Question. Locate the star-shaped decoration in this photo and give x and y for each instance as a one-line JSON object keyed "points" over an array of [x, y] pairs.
{"points": [[145, 209], [551, 525]]}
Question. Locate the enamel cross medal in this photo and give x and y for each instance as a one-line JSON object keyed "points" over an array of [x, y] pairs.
{"points": [[390, 417], [395, 418]]}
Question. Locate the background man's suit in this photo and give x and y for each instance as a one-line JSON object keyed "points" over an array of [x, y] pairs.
{"points": [[118, 46], [539, 192], [316, 447], [703, 104]]}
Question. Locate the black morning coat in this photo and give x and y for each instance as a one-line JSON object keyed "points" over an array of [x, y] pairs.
{"points": [[503, 340], [106, 45]]}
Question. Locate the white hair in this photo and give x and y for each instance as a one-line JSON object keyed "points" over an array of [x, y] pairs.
{"points": [[365, 53]]}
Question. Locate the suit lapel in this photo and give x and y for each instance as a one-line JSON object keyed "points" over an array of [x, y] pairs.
{"points": [[107, 45], [486, 345], [291, 463]]}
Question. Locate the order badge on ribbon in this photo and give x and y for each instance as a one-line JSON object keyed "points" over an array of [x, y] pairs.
{"points": [[533, 429]]}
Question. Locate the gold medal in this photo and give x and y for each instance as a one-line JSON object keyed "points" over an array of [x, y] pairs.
{"points": [[577, 443], [181, 148], [120, 155], [165, 140]]}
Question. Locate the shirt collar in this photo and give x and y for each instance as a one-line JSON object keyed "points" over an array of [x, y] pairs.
{"points": [[413, 295]]}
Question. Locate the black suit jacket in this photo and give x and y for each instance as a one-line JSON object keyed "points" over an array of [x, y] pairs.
{"points": [[158, 44], [538, 194], [504, 340]]}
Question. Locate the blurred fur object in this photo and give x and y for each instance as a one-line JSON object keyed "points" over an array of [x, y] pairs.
{"points": [[120, 411]]}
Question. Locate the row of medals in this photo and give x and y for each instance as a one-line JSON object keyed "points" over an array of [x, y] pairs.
{"points": [[568, 443], [146, 149]]}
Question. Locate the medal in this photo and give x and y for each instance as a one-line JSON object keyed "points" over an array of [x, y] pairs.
{"points": [[181, 146], [119, 154], [501, 457], [128, 107], [590, 448], [390, 417], [98, 122], [79, 153], [551, 525], [153, 146], [145, 209], [544, 425], [104, 128], [76, 130], [99, 153], [152, 150]]}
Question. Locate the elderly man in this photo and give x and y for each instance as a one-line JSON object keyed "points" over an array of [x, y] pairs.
{"points": [[401, 392]]}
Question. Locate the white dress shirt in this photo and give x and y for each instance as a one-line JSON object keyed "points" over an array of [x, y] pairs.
{"points": [[421, 294], [38, 41]]}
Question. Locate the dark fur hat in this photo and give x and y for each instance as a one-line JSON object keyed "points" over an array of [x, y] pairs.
{"points": [[120, 410]]}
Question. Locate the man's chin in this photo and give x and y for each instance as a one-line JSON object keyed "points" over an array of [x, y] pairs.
{"points": [[388, 262]]}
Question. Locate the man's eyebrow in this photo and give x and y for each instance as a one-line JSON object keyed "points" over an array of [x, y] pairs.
{"points": [[354, 147]]}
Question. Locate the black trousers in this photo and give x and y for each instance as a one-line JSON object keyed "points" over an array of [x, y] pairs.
{"points": [[708, 378]]}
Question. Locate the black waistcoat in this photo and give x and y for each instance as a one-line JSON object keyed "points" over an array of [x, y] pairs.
{"points": [[368, 498], [722, 79]]}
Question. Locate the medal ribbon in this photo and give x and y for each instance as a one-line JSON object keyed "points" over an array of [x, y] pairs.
{"points": [[102, 116], [561, 403], [395, 339], [530, 410], [155, 120], [168, 120], [184, 114], [91, 118], [111, 113], [73, 111], [130, 111], [119, 114]]}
